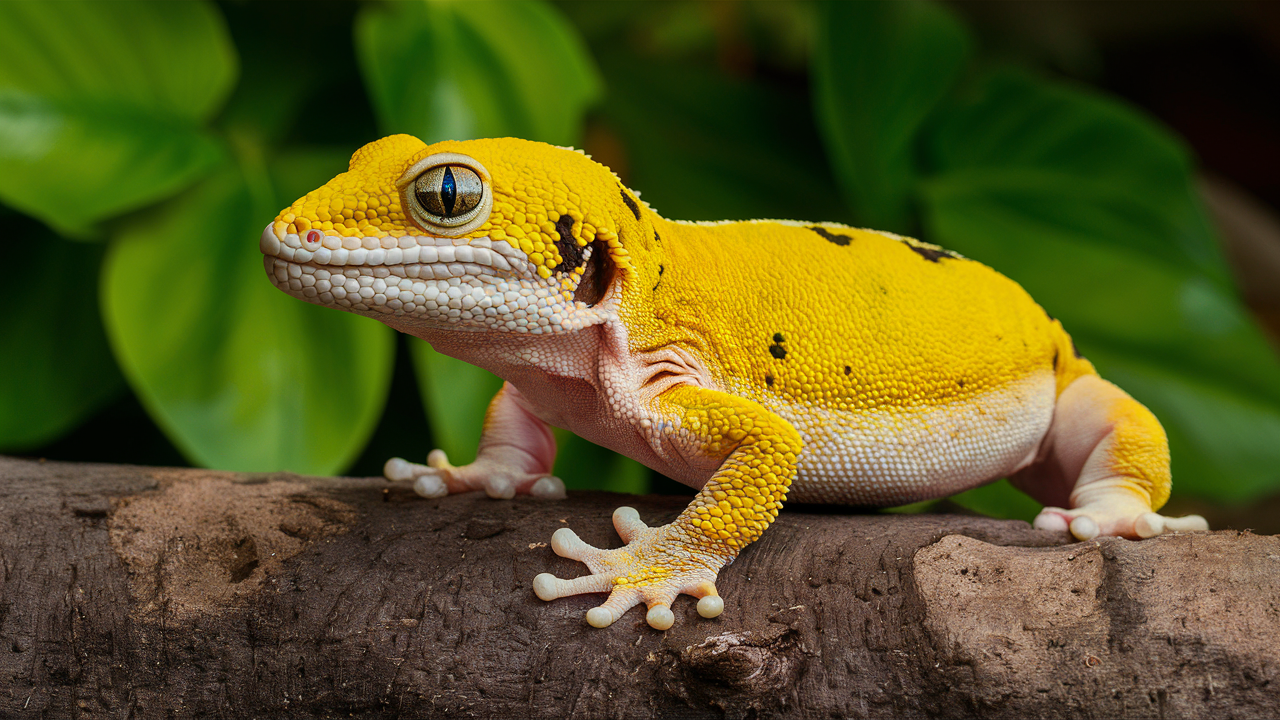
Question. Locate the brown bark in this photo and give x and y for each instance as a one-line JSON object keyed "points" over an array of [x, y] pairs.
{"points": [[142, 592]]}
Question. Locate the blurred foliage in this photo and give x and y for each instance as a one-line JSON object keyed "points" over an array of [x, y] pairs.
{"points": [[145, 145]]}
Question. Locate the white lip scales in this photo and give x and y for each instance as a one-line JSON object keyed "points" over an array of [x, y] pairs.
{"points": [[424, 249], [458, 282]]}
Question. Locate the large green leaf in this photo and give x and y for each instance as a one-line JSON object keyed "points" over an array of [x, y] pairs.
{"points": [[56, 367], [457, 70], [703, 146], [583, 465], [238, 374], [1071, 162], [879, 70], [102, 104], [1089, 207], [456, 395]]}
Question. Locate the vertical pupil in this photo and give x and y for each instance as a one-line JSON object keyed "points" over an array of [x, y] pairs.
{"points": [[448, 192]]}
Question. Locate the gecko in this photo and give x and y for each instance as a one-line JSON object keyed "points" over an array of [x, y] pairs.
{"points": [[758, 361]]}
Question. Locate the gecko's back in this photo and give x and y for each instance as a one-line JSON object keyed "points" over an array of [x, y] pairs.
{"points": [[907, 369]]}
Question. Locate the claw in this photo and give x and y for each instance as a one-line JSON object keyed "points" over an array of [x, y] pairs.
{"points": [[499, 487], [398, 469], [1087, 523], [600, 617], [549, 587], [1148, 525], [567, 544], [430, 486], [1051, 522], [615, 607], [548, 488], [1189, 523], [1084, 528], [660, 617], [628, 523], [438, 459], [710, 604]]}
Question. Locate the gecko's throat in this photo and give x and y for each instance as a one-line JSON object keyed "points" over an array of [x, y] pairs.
{"points": [[460, 283]]}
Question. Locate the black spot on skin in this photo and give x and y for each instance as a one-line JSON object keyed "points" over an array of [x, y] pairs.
{"points": [[960, 382], [596, 277], [768, 380], [829, 236], [571, 253], [777, 351], [631, 204], [848, 370], [1055, 360], [661, 270], [777, 337], [1075, 350], [932, 254], [657, 239]]}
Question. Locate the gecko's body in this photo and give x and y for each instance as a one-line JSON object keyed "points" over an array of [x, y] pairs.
{"points": [[756, 361]]}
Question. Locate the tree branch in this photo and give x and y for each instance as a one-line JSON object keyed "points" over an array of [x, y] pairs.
{"points": [[144, 592]]}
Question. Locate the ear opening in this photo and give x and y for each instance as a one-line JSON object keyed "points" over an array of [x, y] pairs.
{"points": [[597, 276]]}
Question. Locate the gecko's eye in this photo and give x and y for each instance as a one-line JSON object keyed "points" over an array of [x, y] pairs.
{"points": [[447, 193]]}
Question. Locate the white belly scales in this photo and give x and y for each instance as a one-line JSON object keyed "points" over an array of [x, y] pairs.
{"points": [[893, 457]]}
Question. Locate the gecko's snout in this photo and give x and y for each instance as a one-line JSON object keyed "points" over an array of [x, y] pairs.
{"points": [[269, 243]]}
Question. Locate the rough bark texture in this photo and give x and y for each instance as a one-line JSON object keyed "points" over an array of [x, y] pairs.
{"points": [[142, 592]]}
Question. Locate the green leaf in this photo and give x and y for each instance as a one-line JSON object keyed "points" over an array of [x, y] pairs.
{"points": [[56, 368], [1089, 206], [102, 104], [703, 146], [583, 465], [1069, 162], [880, 69], [239, 375], [460, 70], [456, 396]]}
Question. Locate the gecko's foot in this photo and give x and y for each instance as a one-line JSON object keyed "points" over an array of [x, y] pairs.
{"points": [[1087, 523], [438, 478], [656, 565]]}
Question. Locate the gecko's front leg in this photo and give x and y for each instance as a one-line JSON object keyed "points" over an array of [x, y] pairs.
{"points": [[740, 500], [516, 454]]}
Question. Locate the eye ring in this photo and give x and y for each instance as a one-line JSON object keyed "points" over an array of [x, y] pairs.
{"points": [[448, 194]]}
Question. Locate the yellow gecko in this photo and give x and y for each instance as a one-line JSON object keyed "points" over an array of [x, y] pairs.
{"points": [[756, 361]]}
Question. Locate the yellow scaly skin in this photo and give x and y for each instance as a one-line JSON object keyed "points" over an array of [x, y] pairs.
{"points": [[754, 360]]}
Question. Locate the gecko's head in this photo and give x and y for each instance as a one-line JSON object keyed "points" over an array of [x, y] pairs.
{"points": [[505, 234]]}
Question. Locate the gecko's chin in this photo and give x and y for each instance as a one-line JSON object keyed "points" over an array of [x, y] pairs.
{"points": [[422, 282]]}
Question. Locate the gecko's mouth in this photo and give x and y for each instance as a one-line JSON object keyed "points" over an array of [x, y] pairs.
{"points": [[422, 256], [456, 281]]}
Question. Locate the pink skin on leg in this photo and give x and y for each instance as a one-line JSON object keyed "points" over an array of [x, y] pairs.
{"points": [[1105, 457], [516, 454]]}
